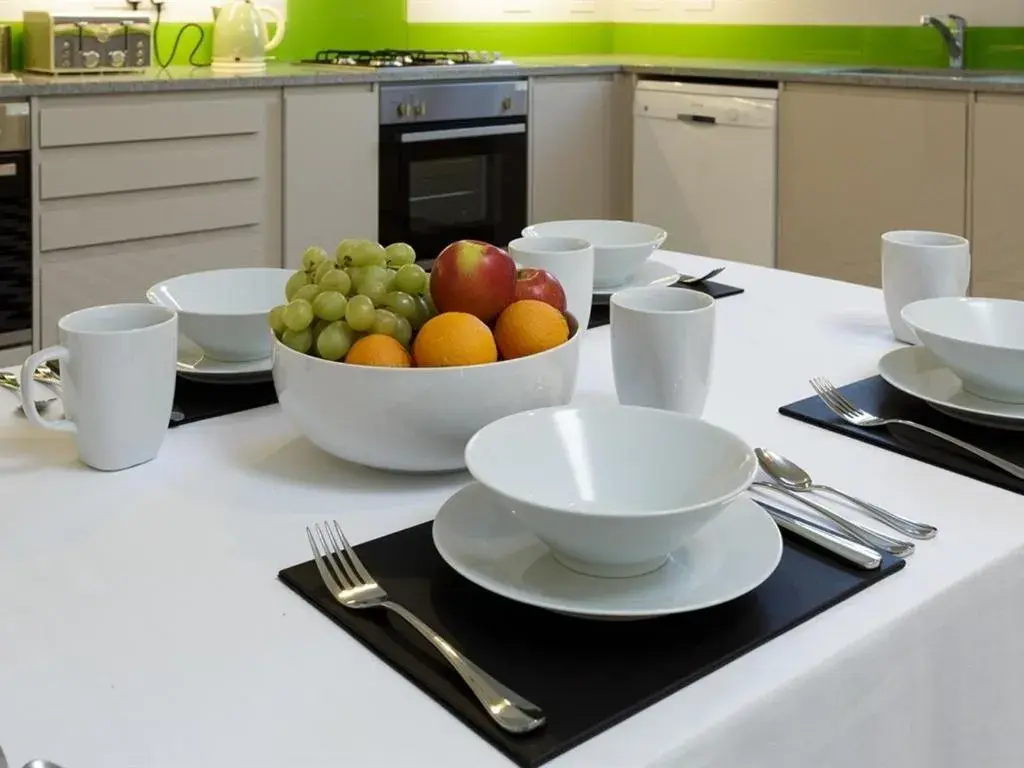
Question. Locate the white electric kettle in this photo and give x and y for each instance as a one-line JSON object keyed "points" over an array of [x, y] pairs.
{"points": [[240, 41]]}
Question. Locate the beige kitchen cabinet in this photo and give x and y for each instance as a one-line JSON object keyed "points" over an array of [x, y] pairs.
{"points": [[997, 189], [135, 188], [330, 168], [580, 140], [855, 162]]}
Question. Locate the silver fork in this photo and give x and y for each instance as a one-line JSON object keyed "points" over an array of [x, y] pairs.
{"points": [[351, 585], [841, 406], [694, 280]]}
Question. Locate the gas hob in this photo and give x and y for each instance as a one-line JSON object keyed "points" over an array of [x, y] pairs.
{"points": [[393, 58]]}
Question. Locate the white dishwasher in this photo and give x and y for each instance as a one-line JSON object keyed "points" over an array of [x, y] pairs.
{"points": [[704, 168]]}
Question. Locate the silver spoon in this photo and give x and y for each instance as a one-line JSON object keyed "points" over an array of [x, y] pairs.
{"points": [[3, 759], [694, 280], [793, 477], [40, 764], [41, 405]]}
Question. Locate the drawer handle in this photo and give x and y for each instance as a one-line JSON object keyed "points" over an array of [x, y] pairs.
{"points": [[8, 169], [688, 118]]}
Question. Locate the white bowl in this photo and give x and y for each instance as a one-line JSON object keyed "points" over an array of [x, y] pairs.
{"points": [[224, 311], [612, 490], [620, 247], [980, 340], [415, 419]]}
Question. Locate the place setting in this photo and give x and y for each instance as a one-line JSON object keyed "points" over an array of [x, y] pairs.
{"points": [[954, 396], [585, 532]]}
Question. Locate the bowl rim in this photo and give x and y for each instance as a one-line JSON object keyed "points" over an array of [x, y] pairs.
{"points": [[960, 300], [678, 418], [574, 339], [659, 237], [153, 298]]}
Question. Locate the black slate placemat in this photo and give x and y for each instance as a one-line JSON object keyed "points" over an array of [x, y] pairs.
{"points": [[197, 400], [879, 398], [600, 312], [586, 675]]}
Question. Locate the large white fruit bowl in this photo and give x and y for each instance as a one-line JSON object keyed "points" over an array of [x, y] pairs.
{"points": [[612, 490], [980, 340], [415, 419], [620, 247], [224, 311]]}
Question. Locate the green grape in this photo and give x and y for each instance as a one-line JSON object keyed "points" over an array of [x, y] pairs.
{"points": [[297, 316], [296, 281], [403, 332], [412, 279], [329, 306], [399, 254], [323, 268], [336, 280], [431, 309], [353, 274], [372, 282], [300, 341], [389, 279], [312, 257], [335, 340], [307, 292], [276, 320], [317, 327], [367, 252], [384, 322], [343, 253], [422, 313], [359, 313], [401, 304]]}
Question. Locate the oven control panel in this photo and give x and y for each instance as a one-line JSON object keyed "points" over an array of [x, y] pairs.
{"points": [[443, 102]]}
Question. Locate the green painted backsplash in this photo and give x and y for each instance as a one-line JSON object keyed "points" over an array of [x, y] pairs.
{"points": [[317, 24]]}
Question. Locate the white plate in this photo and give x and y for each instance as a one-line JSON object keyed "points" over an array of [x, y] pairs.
{"points": [[193, 364], [651, 272], [919, 373], [729, 557]]}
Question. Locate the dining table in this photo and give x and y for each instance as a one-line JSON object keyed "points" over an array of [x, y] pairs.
{"points": [[142, 623]]}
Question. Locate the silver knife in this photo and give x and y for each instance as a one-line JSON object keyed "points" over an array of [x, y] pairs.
{"points": [[836, 543]]}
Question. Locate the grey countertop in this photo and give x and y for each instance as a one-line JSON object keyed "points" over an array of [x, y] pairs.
{"points": [[280, 75]]}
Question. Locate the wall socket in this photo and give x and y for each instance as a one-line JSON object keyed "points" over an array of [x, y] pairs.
{"points": [[517, 6]]}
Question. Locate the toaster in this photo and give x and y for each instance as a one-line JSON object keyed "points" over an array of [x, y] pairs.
{"points": [[67, 43]]}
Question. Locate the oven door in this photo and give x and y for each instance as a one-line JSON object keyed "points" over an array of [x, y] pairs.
{"points": [[15, 250], [451, 181]]}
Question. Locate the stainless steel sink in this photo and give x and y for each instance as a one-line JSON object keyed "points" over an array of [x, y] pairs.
{"points": [[942, 74]]}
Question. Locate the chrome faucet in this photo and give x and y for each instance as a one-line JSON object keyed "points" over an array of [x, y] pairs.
{"points": [[953, 29]]}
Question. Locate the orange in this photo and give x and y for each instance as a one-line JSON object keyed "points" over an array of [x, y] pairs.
{"points": [[454, 338], [378, 349], [529, 326]]}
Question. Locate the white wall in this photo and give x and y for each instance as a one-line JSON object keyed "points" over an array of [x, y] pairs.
{"points": [[512, 11], [174, 10], [891, 12]]}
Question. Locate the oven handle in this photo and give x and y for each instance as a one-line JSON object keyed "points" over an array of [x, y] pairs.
{"points": [[462, 133]]}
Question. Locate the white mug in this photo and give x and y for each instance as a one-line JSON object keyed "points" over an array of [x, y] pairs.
{"points": [[921, 265], [569, 259], [118, 365], [662, 346]]}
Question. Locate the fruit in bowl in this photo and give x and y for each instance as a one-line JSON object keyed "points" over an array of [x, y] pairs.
{"points": [[474, 309], [370, 371]]}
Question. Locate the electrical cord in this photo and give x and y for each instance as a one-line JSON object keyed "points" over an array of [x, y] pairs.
{"points": [[159, 5]]}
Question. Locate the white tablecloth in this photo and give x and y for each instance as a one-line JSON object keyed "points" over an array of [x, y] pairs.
{"points": [[142, 624]]}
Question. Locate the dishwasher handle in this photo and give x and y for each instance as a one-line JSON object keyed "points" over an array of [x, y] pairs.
{"points": [[689, 117]]}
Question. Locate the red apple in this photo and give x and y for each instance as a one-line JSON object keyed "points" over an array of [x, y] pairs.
{"points": [[539, 284], [473, 277]]}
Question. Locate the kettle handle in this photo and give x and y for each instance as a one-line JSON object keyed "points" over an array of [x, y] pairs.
{"points": [[275, 17]]}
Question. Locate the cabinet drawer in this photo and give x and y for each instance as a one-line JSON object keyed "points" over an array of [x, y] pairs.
{"points": [[75, 222], [106, 168], [65, 122], [85, 277]]}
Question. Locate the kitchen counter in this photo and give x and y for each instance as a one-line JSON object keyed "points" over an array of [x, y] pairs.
{"points": [[280, 75]]}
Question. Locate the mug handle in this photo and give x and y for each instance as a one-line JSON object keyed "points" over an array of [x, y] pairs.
{"points": [[28, 402]]}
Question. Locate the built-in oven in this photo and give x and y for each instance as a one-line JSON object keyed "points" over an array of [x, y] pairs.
{"points": [[15, 227], [453, 163]]}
